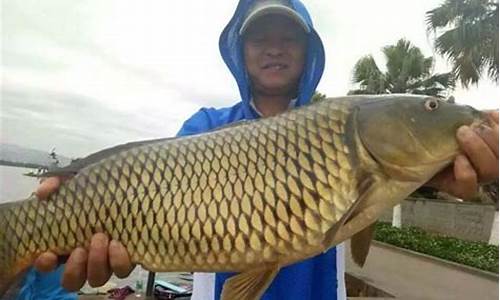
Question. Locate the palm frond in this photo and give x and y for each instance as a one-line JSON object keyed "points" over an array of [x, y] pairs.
{"points": [[470, 37], [408, 71], [368, 76]]}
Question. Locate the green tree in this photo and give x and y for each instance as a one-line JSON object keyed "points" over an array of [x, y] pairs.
{"points": [[408, 71], [466, 33]]}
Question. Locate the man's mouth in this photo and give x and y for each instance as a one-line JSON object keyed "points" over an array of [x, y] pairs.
{"points": [[274, 66]]}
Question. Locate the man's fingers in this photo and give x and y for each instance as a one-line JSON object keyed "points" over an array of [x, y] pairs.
{"points": [[47, 187], [119, 260], [493, 114], [46, 262], [460, 180], [75, 270], [490, 137], [490, 133], [98, 271], [465, 185], [479, 153], [442, 179]]}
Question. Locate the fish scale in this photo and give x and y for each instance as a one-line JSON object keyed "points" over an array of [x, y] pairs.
{"points": [[201, 184], [250, 197]]}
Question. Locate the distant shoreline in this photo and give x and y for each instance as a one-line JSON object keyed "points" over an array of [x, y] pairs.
{"points": [[21, 164]]}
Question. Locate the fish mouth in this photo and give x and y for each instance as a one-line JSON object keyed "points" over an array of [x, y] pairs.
{"points": [[278, 66], [480, 122]]}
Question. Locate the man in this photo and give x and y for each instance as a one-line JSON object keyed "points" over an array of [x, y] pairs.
{"points": [[277, 59]]}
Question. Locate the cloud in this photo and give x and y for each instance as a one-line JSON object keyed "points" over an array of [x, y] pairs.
{"points": [[80, 124]]}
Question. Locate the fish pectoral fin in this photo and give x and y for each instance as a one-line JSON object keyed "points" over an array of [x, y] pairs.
{"points": [[360, 244], [249, 285], [378, 196], [331, 236]]}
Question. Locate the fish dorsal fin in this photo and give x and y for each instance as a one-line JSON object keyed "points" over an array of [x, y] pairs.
{"points": [[79, 164], [249, 285], [360, 245]]}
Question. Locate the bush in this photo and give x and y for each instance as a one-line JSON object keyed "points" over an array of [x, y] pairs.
{"points": [[475, 254]]}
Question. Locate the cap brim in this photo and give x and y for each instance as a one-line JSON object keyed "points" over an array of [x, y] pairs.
{"points": [[274, 9]]}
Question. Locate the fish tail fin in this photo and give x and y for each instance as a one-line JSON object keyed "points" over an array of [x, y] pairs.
{"points": [[11, 266]]}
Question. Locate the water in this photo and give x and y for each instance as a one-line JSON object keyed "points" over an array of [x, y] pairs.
{"points": [[14, 185]]}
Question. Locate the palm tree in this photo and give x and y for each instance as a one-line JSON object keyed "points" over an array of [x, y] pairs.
{"points": [[408, 71], [468, 37]]}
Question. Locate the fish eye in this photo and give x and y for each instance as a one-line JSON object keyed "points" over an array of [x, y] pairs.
{"points": [[431, 104]]}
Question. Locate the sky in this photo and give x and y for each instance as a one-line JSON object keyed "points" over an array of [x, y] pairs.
{"points": [[85, 75]]}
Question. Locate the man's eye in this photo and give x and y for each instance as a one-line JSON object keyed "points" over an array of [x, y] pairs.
{"points": [[257, 41], [291, 39]]}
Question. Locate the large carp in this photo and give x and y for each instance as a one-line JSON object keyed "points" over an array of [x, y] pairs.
{"points": [[249, 198]]}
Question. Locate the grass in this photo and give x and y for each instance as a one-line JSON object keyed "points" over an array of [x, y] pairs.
{"points": [[475, 254]]}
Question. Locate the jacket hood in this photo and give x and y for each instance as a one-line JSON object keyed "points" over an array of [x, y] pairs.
{"points": [[231, 49]]}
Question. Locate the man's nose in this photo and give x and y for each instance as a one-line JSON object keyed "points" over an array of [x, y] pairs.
{"points": [[275, 48]]}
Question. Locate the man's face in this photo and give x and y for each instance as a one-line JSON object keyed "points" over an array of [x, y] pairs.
{"points": [[274, 50]]}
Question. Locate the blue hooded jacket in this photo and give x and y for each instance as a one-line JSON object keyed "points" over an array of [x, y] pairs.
{"points": [[38, 286], [315, 278], [231, 48]]}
